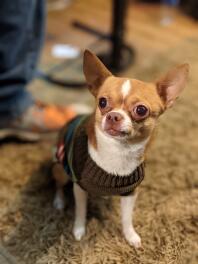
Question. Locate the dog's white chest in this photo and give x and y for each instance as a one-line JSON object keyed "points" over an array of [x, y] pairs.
{"points": [[114, 156]]}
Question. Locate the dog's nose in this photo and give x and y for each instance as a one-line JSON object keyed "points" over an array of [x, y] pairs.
{"points": [[114, 117]]}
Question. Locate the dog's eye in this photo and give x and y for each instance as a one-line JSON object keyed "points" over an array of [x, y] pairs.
{"points": [[140, 111], [102, 102]]}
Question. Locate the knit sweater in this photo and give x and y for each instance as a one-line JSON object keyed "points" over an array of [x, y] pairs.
{"points": [[82, 168]]}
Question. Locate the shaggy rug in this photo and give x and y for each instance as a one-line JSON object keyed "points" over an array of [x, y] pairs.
{"points": [[166, 210]]}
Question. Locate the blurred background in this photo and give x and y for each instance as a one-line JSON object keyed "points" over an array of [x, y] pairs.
{"points": [[127, 35], [137, 39]]}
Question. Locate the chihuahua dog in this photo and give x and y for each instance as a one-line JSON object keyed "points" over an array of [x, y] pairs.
{"points": [[104, 153]]}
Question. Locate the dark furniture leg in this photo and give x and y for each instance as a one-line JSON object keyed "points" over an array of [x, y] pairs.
{"points": [[120, 55]]}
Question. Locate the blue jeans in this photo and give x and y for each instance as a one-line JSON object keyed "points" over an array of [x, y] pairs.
{"points": [[21, 39]]}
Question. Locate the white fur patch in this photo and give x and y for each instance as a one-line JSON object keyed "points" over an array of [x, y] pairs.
{"points": [[126, 87], [127, 206], [80, 211], [116, 156], [58, 203]]}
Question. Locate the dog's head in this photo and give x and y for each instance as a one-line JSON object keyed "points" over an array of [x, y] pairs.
{"points": [[128, 109]]}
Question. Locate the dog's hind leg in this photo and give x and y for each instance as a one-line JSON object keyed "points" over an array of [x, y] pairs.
{"points": [[61, 179]]}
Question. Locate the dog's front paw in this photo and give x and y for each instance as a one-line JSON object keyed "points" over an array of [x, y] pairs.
{"points": [[78, 232], [133, 239]]}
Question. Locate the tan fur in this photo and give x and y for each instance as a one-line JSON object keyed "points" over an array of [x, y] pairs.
{"points": [[91, 131], [157, 96], [58, 172], [143, 92], [91, 67], [148, 94], [59, 175], [171, 85], [61, 179], [119, 133]]}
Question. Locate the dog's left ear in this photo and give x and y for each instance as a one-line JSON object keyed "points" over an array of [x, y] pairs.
{"points": [[171, 85], [95, 72]]}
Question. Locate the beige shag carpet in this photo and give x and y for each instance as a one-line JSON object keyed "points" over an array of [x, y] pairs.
{"points": [[167, 209]]}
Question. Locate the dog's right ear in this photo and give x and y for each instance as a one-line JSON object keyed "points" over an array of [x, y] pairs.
{"points": [[95, 72]]}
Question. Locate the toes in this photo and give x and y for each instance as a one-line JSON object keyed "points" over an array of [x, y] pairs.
{"points": [[134, 240], [79, 232]]}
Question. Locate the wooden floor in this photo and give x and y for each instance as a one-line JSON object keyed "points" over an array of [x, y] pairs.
{"points": [[152, 43], [144, 30]]}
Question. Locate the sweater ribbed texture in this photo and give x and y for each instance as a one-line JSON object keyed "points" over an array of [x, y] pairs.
{"points": [[89, 175]]}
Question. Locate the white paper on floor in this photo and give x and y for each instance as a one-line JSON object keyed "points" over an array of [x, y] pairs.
{"points": [[65, 51]]}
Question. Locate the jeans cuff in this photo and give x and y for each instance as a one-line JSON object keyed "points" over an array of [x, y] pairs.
{"points": [[15, 106]]}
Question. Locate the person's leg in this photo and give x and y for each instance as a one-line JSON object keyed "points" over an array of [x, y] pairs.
{"points": [[21, 38], [22, 25]]}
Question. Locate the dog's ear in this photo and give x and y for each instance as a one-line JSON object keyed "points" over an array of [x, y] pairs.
{"points": [[171, 85], [95, 72]]}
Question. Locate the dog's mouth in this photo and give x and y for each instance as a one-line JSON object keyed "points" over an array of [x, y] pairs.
{"points": [[119, 129], [116, 132]]}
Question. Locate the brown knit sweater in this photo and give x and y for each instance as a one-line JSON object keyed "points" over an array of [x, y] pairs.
{"points": [[83, 170]]}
